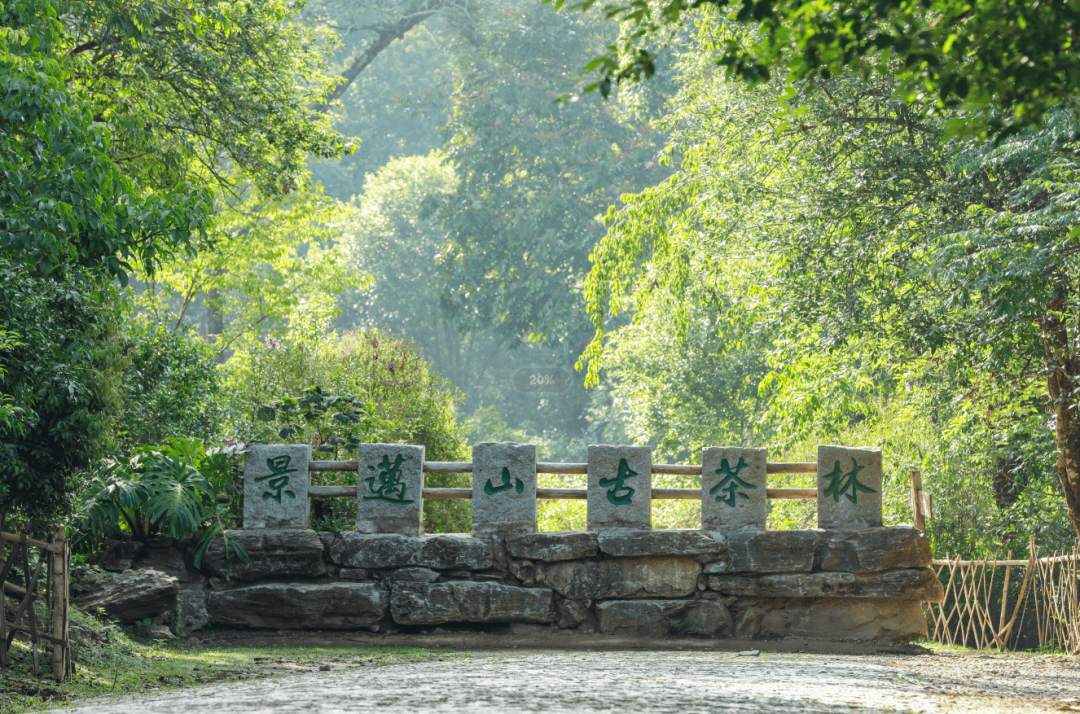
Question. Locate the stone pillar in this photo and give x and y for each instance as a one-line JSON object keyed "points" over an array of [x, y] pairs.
{"points": [[848, 487], [733, 488], [276, 486], [390, 489], [503, 488], [620, 487]]}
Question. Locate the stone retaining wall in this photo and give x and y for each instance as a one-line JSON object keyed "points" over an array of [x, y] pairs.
{"points": [[853, 584]]}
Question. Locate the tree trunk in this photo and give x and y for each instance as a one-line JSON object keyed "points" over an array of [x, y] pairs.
{"points": [[1062, 386], [215, 325]]}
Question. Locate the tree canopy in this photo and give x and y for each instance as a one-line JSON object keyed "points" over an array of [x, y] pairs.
{"points": [[870, 267], [1005, 63]]}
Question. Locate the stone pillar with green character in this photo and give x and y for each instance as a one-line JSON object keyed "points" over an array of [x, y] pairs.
{"points": [[276, 486], [848, 487], [733, 488], [390, 489], [619, 487]]}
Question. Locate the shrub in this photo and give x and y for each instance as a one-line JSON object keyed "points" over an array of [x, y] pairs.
{"points": [[383, 390], [170, 490], [61, 378], [170, 387]]}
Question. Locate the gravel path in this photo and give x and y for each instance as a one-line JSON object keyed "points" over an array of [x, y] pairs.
{"points": [[648, 682]]}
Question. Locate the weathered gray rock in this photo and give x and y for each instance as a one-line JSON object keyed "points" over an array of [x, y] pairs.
{"points": [[623, 578], [869, 619], [389, 493], [447, 551], [191, 613], [524, 570], [572, 613], [168, 559], [303, 606], [503, 488], [619, 487], [132, 595], [768, 552], [733, 484], [414, 575], [656, 618], [155, 632], [116, 556], [276, 486], [355, 575], [274, 553], [553, 546], [919, 584], [443, 551], [849, 487], [436, 603], [872, 549], [705, 546]]}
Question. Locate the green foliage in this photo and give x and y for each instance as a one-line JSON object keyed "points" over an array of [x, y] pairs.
{"points": [[372, 388], [331, 423], [393, 108], [171, 491], [66, 200], [534, 173], [273, 255], [62, 378], [396, 236], [170, 387], [1006, 63], [880, 283], [198, 92]]}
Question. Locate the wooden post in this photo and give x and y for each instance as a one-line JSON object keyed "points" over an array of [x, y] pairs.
{"points": [[918, 511], [920, 522], [58, 606]]}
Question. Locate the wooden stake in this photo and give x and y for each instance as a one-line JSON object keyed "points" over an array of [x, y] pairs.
{"points": [[916, 501]]}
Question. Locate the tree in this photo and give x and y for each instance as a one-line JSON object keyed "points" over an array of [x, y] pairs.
{"points": [[887, 264], [63, 379], [272, 255], [66, 201], [204, 93], [534, 173], [396, 236], [119, 123], [1006, 63]]}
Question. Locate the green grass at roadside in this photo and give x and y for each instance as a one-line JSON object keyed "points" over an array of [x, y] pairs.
{"points": [[109, 661], [959, 649]]}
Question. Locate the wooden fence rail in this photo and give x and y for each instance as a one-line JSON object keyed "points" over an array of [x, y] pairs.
{"points": [[50, 573], [465, 467]]}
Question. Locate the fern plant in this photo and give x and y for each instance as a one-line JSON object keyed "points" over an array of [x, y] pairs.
{"points": [[171, 490]]}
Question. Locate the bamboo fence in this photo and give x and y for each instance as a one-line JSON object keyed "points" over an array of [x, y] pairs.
{"points": [[976, 610], [52, 558]]}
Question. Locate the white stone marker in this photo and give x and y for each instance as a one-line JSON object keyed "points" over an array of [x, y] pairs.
{"points": [[390, 489], [503, 488], [848, 487], [276, 486], [733, 485], [620, 487]]}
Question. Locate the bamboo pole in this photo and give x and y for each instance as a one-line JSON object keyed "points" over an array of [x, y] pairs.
{"points": [[1023, 591], [916, 501], [12, 538], [58, 605]]}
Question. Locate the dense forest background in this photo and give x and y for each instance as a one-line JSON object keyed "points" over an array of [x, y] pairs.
{"points": [[419, 226]]}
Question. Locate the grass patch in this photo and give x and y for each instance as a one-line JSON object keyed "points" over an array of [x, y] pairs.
{"points": [[109, 661], [1049, 651]]}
